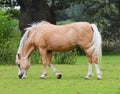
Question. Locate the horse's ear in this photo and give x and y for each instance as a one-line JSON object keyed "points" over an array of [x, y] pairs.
{"points": [[19, 56]]}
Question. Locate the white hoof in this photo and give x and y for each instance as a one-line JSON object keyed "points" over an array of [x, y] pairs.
{"points": [[43, 76], [88, 77], [99, 76]]}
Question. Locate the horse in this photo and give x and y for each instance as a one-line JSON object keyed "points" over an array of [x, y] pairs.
{"points": [[46, 38]]}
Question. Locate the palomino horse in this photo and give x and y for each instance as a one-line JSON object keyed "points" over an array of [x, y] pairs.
{"points": [[47, 38]]}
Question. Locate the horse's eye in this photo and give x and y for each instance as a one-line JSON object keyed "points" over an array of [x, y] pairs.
{"points": [[18, 65]]}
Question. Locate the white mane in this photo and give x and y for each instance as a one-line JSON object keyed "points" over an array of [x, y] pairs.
{"points": [[35, 25], [24, 38]]}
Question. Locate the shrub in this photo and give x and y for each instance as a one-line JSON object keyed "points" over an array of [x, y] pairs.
{"points": [[35, 57], [69, 57], [7, 39], [58, 57], [64, 22]]}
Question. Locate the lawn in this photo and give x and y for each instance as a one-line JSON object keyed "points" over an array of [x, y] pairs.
{"points": [[72, 82]]}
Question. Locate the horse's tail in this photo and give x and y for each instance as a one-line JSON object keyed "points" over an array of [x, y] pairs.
{"points": [[96, 43]]}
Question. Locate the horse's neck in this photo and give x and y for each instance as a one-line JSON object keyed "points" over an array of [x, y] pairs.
{"points": [[27, 49]]}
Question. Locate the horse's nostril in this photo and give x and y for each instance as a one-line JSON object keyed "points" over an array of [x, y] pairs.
{"points": [[20, 75]]}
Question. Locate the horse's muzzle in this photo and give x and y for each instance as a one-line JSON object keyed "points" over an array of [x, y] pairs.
{"points": [[20, 75]]}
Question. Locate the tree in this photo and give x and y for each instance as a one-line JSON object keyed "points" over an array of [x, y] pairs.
{"points": [[32, 11], [37, 10]]}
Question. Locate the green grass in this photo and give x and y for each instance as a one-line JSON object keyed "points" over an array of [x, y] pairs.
{"points": [[72, 82]]}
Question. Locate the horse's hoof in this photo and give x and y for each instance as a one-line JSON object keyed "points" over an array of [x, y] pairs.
{"points": [[59, 76], [42, 77], [99, 78], [87, 78]]}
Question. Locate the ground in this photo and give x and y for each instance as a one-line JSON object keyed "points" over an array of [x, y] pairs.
{"points": [[72, 82]]}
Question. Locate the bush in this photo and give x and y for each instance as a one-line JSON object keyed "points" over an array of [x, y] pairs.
{"points": [[7, 38], [64, 22], [58, 57], [65, 57], [35, 57]]}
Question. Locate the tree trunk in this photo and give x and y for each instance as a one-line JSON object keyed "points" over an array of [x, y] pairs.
{"points": [[34, 11]]}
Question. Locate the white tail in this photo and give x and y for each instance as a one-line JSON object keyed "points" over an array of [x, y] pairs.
{"points": [[96, 43]]}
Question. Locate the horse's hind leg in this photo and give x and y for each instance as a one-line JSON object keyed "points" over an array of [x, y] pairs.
{"points": [[99, 73], [49, 56], [89, 74]]}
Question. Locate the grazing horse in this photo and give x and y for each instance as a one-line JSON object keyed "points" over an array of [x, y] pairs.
{"points": [[47, 38]]}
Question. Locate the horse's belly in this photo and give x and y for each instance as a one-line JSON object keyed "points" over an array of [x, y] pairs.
{"points": [[60, 47]]}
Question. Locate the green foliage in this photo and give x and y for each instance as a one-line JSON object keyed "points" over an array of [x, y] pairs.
{"points": [[75, 12], [15, 13], [58, 57], [65, 57], [4, 31], [35, 57], [64, 22], [7, 39]]}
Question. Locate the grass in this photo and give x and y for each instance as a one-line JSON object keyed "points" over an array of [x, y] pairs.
{"points": [[72, 82]]}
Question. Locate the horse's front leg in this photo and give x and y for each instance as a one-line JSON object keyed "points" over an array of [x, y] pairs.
{"points": [[44, 61], [49, 56]]}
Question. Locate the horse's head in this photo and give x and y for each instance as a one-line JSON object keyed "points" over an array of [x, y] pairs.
{"points": [[23, 65]]}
